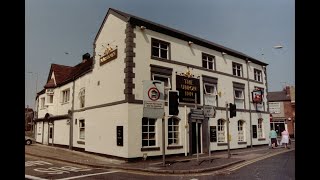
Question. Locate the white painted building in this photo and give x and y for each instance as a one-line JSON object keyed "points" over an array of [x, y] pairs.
{"points": [[143, 50]]}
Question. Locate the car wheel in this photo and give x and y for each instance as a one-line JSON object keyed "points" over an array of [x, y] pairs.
{"points": [[28, 142]]}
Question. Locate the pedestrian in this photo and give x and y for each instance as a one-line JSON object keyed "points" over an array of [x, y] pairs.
{"points": [[285, 138], [273, 138]]}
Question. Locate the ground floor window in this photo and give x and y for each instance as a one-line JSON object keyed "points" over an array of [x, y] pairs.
{"points": [[260, 128], [173, 131], [50, 132], [241, 131], [81, 129], [148, 132], [221, 131]]}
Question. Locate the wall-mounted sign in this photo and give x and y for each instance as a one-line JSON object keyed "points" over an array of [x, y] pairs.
{"points": [[213, 133], [188, 88], [119, 135], [274, 107], [257, 96], [209, 111], [108, 56]]}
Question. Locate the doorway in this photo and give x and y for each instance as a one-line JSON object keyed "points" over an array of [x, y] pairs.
{"points": [[194, 136]]}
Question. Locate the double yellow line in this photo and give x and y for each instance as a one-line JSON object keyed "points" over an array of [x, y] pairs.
{"points": [[238, 166]]}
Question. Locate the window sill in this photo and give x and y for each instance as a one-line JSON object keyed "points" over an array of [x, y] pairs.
{"points": [[150, 149], [174, 147], [222, 144], [159, 58], [261, 139], [80, 142], [64, 103], [242, 142]]}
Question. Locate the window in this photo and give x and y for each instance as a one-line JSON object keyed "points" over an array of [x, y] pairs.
{"points": [[65, 96], [241, 131], [173, 131], [221, 131], [82, 97], [239, 98], [208, 61], [81, 129], [42, 101], [257, 75], [260, 129], [49, 96], [210, 89], [167, 83], [50, 132], [148, 132], [160, 49], [237, 69]]}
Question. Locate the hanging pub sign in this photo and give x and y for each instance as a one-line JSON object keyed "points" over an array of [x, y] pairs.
{"points": [[257, 96], [188, 88], [108, 55]]}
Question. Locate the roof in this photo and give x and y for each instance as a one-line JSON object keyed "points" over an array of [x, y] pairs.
{"points": [[65, 74], [278, 96], [178, 34]]}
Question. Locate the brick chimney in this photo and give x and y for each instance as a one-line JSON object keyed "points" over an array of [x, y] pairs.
{"points": [[287, 89]]}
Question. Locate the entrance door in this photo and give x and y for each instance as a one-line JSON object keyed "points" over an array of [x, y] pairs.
{"points": [[194, 142]]}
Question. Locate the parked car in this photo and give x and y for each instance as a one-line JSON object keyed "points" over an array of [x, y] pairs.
{"points": [[29, 140]]}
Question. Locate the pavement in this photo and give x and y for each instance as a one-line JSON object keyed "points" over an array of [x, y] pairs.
{"points": [[175, 164]]}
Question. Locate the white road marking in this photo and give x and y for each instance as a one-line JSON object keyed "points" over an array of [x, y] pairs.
{"points": [[35, 163], [33, 177], [61, 170], [87, 175]]}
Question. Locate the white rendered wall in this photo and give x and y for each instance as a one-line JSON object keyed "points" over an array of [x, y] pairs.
{"points": [[61, 132]]}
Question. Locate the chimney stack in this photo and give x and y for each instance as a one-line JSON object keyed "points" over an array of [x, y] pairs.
{"points": [[85, 57], [287, 89]]}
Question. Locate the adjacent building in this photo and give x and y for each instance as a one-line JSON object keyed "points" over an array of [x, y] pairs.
{"points": [[97, 106], [282, 110]]}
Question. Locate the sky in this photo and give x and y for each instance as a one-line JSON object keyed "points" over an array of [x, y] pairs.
{"points": [[60, 31]]}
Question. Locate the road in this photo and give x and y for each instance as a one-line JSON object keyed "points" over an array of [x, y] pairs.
{"points": [[280, 167]]}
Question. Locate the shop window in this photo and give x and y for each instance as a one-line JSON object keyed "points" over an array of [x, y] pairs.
{"points": [[148, 132]]}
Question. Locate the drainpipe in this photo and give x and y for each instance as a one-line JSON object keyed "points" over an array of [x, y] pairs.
{"points": [[71, 117], [249, 102]]}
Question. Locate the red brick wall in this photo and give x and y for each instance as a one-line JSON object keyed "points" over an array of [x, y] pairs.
{"points": [[289, 113]]}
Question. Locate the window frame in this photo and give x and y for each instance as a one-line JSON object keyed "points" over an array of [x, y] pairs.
{"points": [[206, 59], [239, 98], [153, 40], [82, 128], [67, 97], [235, 66], [173, 132], [260, 132], [42, 103], [166, 88], [148, 132], [82, 96], [220, 126], [241, 133], [257, 75], [215, 91]]}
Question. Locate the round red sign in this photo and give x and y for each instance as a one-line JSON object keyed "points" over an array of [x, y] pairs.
{"points": [[153, 94]]}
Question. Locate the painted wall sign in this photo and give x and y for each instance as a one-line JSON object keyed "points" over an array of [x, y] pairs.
{"points": [[188, 88], [213, 133], [108, 57]]}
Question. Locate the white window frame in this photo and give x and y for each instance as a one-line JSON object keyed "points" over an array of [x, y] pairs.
{"points": [[215, 94], [65, 95], [257, 75], [206, 59], [82, 128], [241, 131], [42, 102], [237, 67], [50, 93], [82, 96], [166, 88], [160, 48], [221, 133], [175, 131], [260, 128], [148, 132], [239, 99]]}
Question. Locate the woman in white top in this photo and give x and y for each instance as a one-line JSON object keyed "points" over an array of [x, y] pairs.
{"points": [[285, 138]]}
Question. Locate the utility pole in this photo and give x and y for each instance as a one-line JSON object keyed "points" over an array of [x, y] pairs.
{"points": [[229, 155], [250, 118]]}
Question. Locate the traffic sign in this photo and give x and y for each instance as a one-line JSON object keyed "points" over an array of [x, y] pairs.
{"points": [[209, 111], [153, 99]]}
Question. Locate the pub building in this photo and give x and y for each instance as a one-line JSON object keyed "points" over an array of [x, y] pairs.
{"points": [[98, 105]]}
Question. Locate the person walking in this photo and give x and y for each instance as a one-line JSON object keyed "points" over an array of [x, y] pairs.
{"points": [[273, 138], [285, 138]]}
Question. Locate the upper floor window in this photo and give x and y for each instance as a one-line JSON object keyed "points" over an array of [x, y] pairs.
{"points": [[239, 98], [210, 89], [173, 131], [49, 96], [208, 61], [82, 97], [160, 49], [65, 96], [42, 103], [257, 75], [166, 80], [237, 69]]}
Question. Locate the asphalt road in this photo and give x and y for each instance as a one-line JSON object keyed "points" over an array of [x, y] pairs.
{"points": [[280, 167]]}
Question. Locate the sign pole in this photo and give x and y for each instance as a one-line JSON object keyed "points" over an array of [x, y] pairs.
{"points": [[197, 142], [209, 138], [163, 141], [228, 130]]}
